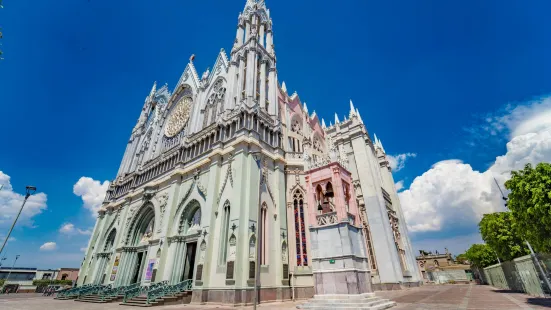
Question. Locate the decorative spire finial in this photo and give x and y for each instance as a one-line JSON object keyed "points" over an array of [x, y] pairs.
{"points": [[359, 116], [305, 108], [323, 123], [284, 87], [352, 109], [192, 58], [336, 119], [153, 89]]}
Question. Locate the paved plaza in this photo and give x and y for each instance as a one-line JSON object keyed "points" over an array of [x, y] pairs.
{"points": [[427, 297]]}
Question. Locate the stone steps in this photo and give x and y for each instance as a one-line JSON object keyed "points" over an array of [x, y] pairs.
{"points": [[96, 299], [363, 302], [141, 301]]}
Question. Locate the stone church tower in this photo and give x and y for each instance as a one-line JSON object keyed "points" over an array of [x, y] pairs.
{"points": [[219, 171]]}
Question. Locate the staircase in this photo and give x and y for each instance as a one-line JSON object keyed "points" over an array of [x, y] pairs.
{"points": [[95, 298], [177, 299], [366, 301]]}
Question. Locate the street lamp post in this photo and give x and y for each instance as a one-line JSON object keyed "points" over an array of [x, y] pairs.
{"points": [[30, 190], [258, 160], [9, 273]]}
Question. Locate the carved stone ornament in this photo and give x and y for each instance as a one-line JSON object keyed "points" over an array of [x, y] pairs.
{"points": [[179, 117], [163, 200]]}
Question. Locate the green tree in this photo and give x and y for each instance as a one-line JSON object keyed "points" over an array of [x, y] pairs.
{"points": [[461, 259], [530, 203], [481, 255], [500, 231]]}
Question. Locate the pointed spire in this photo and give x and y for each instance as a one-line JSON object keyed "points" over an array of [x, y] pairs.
{"points": [[313, 114], [153, 89], [359, 116], [336, 119], [352, 109], [345, 118], [305, 108], [376, 140], [330, 124], [381, 145], [323, 123], [284, 87]]}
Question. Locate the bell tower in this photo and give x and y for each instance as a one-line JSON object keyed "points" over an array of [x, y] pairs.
{"points": [[253, 61]]}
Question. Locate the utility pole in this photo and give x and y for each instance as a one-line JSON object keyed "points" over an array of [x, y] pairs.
{"points": [[9, 273], [258, 160], [30, 190]]}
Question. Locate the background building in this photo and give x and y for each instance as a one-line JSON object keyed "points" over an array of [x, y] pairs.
{"points": [[223, 163], [442, 268]]}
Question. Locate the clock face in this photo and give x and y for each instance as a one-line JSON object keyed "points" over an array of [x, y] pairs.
{"points": [[179, 117]]}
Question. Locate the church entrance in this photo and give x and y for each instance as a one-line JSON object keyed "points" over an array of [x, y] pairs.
{"points": [[189, 263], [140, 263]]}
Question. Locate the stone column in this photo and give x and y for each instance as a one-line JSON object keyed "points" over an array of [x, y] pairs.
{"points": [[241, 80], [262, 89], [251, 75], [261, 37]]}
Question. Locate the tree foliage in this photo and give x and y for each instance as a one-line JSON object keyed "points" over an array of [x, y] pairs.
{"points": [[481, 255], [462, 259], [48, 282], [530, 203], [500, 231]]}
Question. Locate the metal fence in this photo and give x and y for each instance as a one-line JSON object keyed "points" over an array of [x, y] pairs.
{"points": [[521, 275]]}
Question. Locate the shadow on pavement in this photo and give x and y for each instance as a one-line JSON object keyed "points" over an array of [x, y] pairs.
{"points": [[544, 302], [508, 291]]}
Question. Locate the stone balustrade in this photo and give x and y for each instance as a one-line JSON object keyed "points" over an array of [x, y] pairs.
{"points": [[327, 219]]}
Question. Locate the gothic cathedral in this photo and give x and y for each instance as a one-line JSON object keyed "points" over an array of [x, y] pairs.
{"points": [[229, 176]]}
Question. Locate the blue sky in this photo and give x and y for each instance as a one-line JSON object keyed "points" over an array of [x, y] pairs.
{"points": [[441, 80]]}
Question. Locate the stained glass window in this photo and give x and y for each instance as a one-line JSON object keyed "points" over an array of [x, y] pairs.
{"points": [[300, 230]]}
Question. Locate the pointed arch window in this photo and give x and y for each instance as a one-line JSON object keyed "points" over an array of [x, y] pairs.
{"points": [[110, 242], [300, 229], [215, 103], [224, 234]]}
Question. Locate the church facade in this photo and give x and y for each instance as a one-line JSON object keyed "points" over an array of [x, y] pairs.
{"points": [[228, 170]]}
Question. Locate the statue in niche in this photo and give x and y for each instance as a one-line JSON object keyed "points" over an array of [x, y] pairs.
{"points": [[252, 247], [205, 75], [203, 249], [232, 250]]}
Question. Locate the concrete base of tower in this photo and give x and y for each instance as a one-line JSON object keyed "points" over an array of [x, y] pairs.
{"points": [[394, 286], [342, 282], [244, 297]]}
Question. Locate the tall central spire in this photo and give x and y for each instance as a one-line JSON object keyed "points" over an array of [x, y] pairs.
{"points": [[253, 60]]}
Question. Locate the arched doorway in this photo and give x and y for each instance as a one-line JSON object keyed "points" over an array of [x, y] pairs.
{"points": [[186, 242], [139, 238]]}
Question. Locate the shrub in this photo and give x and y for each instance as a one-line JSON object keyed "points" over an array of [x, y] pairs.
{"points": [[48, 282]]}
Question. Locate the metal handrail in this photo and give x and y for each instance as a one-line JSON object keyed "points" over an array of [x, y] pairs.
{"points": [[134, 292], [168, 290]]}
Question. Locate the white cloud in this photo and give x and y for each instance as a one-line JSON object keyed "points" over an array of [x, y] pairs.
{"points": [[69, 229], [10, 203], [399, 185], [452, 194], [48, 246], [83, 249], [92, 193], [398, 162]]}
